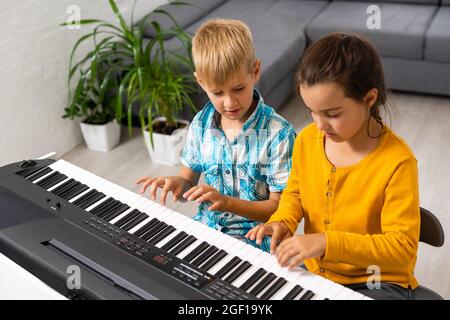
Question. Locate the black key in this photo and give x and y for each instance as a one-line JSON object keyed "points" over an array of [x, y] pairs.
{"points": [[64, 186], [75, 185], [85, 196], [146, 227], [154, 231], [277, 285], [51, 180], [94, 199], [74, 192], [293, 293], [111, 209], [255, 277], [115, 212], [108, 203], [214, 260], [163, 234], [228, 267], [194, 253], [238, 271], [183, 245], [37, 173], [204, 256], [308, 295], [175, 240], [130, 216], [263, 284], [141, 217]]}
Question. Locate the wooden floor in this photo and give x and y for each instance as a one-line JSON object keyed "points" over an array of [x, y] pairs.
{"points": [[423, 121]]}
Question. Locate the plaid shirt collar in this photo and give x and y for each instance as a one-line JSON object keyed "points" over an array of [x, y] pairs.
{"points": [[250, 122]]}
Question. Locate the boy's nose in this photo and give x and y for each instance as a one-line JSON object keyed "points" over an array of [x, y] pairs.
{"points": [[229, 102]]}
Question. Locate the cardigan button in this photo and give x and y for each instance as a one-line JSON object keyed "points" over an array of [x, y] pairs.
{"points": [[329, 194], [333, 169], [326, 221]]}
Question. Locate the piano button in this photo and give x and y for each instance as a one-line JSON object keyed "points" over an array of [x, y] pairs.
{"points": [[204, 256], [214, 260], [266, 281], [238, 271], [175, 240], [277, 285], [160, 236], [308, 295], [228, 267], [196, 251], [293, 293], [183, 245], [253, 279]]}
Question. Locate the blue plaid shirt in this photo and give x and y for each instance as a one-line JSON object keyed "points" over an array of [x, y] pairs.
{"points": [[255, 163]]}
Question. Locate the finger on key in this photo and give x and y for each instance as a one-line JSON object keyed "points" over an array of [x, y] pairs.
{"points": [[167, 187], [155, 185], [148, 182]]}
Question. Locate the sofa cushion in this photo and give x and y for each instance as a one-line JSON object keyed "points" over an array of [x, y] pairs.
{"points": [[437, 43], [277, 28], [184, 15], [436, 2], [403, 26]]}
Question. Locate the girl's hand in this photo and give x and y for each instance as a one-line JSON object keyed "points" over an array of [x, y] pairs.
{"points": [[176, 184], [291, 252], [206, 193], [277, 229]]}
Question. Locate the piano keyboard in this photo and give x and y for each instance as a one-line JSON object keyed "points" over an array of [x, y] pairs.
{"points": [[246, 272]]}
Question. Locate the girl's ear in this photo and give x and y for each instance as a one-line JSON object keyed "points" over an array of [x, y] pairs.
{"points": [[371, 97]]}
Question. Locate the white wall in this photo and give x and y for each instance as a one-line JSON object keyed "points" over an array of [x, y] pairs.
{"points": [[34, 57]]}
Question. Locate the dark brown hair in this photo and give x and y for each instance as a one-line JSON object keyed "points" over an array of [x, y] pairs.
{"points": [[348, 60]]}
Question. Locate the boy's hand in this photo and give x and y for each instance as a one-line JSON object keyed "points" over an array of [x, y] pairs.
{"points": [[176, 184], [204, 192], [277, 229], [291, 252]]}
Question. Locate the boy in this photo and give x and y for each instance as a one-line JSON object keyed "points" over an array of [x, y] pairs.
{"points": [[241, 145]]}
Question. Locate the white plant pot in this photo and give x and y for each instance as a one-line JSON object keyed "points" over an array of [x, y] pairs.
{"points": [[166, 149], [101, 137]]}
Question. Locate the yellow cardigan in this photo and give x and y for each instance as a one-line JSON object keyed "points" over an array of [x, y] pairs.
{"points": [[369, 211]]}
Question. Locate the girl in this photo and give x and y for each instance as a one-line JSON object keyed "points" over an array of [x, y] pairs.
{"points": [[353, 180]]}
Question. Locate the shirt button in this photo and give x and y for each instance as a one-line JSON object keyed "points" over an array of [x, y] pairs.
{"points": [[333, 169], [227, 171], [226, 215], [329, 194], [326, 221]]}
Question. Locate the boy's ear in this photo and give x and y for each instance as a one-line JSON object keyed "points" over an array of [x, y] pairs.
{"points": [[257, 71], [199, 81]]}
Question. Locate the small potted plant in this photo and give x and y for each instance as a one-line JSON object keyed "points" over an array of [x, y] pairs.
{"points": [[143, 75], [99, 128]]}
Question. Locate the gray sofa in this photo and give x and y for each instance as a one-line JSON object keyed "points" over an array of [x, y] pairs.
{"points": [[414, 39]]}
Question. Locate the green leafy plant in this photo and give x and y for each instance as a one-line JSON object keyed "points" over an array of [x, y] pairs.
{"points": [[158, 80]]}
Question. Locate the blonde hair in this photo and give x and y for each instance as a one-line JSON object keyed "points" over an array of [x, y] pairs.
{"points": [[220, 47]]}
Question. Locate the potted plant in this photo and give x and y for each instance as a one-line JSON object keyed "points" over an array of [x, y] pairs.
{"points": [[148, 76], [89, 99]]}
